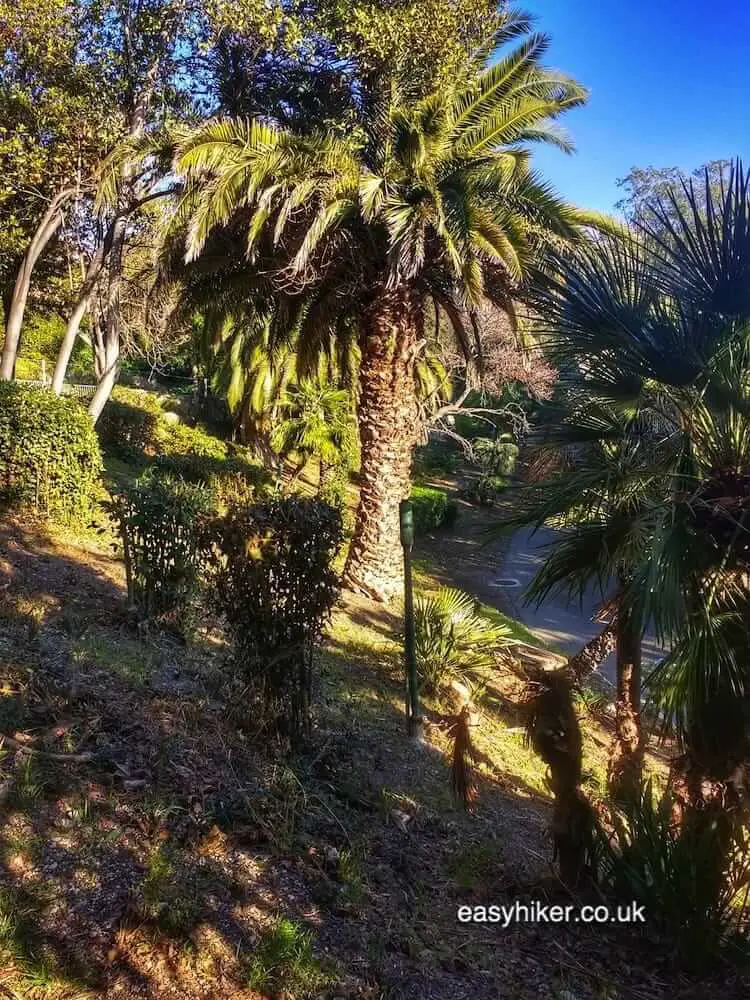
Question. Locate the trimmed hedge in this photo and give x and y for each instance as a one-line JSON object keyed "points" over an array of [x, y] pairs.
{"points": [[134, 425], [161, 520], [50, 460], [129, 423], [432, 509]]}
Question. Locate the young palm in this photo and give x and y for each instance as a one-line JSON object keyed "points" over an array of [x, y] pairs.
{"points": [[428, 202], [652, 339], [316, 421]]}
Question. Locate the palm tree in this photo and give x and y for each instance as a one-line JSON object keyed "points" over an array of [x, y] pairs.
{"points": [[316, 420], [651, 335], [599, 501], [429, 201]]}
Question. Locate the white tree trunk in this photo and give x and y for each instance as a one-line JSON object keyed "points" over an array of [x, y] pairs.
{"points": [[51, 222]]}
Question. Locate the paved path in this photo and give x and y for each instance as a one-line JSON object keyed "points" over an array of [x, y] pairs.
{"points": [[563, 624]]}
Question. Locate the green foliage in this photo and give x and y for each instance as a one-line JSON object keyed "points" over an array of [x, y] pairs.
{"points": [[275, 586], [284, 962], [496, 458], [130, 422], [160, 521], [453, 639], [485, 491], [40, 342], [49, 454], [645, 186], [693, 878], [434, 457], [164, 898], [334, 490], [432, 509], [134, 425], [317, 419]]}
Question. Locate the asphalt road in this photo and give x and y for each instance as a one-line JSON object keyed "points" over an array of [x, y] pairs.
{"points": [[563, 624]]}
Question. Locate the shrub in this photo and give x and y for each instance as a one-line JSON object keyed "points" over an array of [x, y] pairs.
{"points": [[274, 584], [133, 424], [160, 522], [234, 481], [693, 879], [179, 439], [130, 422], [485, 491], [335, 490], [452, 639], [42, 336], [496, 458], [435, 456], [49, 453], [432, 509]]}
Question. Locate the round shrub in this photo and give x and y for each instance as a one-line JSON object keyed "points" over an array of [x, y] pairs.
{"points": [[49, 453], [432, 509], [130, 422]]}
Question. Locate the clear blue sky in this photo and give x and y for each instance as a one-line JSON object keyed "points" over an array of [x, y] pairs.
{"points": [[669, 82]]}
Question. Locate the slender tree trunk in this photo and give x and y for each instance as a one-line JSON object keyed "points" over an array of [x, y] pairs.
{"points": [[107, 381], [388, 429], [51, 222], [588, 659], [626, 756], [112, 316], [79, 311]]}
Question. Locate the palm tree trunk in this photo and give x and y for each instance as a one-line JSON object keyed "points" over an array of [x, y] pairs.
{"points": [[388, 430], [626, 755], [51, 222], [588, 659]]}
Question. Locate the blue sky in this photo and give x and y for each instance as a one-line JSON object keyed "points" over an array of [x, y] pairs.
{"points": [[669, 82]]}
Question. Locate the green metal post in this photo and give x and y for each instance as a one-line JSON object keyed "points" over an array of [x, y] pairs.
{"points": [[413, 714]]}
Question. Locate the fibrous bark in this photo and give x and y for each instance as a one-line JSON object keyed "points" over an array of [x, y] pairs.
{"points": [[626, 756], [388, 428]]}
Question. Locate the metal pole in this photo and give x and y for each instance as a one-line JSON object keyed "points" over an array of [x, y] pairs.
{"points": [[413, 714]]}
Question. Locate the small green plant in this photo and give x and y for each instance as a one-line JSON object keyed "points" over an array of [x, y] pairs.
{"points": [[496, 458], [284, 962], [275, 586], [693, 878], [485, 491], [49, 454], [453, 639], [29, 782], [432, 509], [475, 866], [160, 522], [350, 872], [165, 898]]}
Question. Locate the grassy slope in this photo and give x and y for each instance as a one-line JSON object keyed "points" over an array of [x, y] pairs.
{"points": [[155, 856]]}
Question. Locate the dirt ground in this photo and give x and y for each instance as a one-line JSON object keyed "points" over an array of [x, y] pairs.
{"points": [[152, 833]]}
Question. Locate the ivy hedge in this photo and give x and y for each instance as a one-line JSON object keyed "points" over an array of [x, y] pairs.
{"points": [[50, 460]]}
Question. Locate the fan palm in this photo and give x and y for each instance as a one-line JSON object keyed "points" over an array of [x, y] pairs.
{"points": [[427, 201], [316, 420], [651, 334]]}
